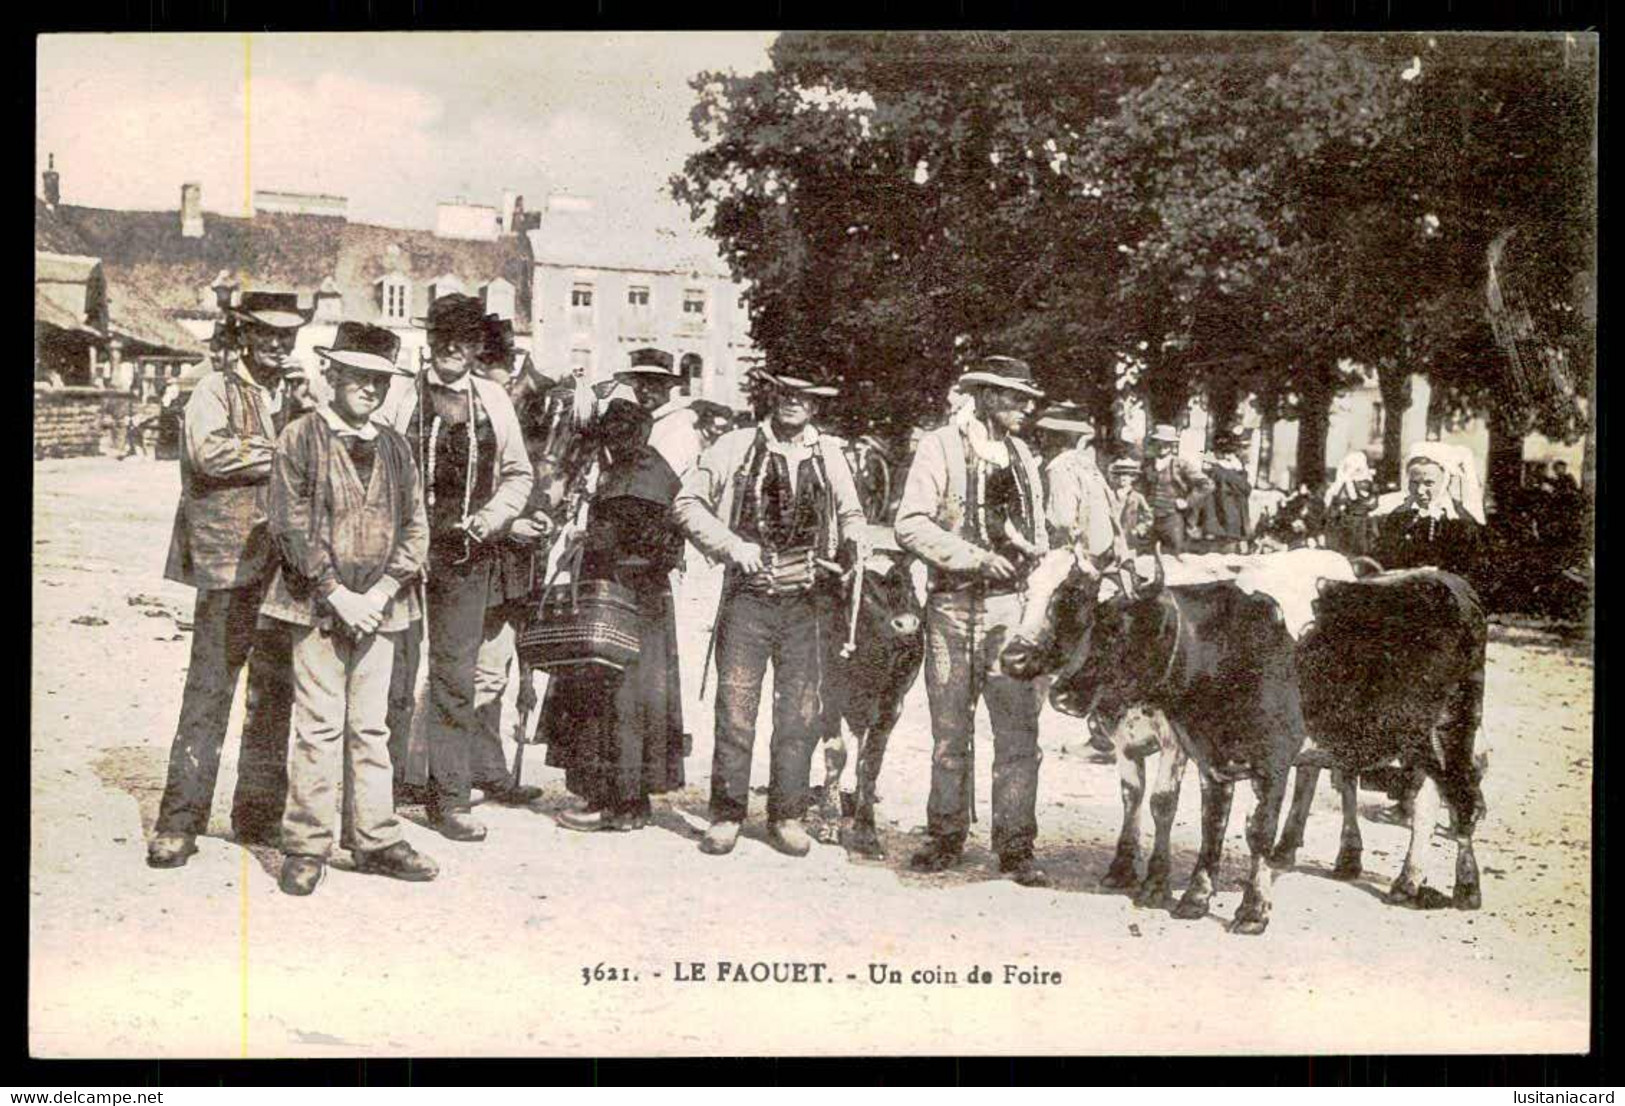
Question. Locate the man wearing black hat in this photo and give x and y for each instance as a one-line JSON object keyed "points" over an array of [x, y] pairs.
{"points": [[476, 478], [788, 500], [973, 511], [221, 546]]}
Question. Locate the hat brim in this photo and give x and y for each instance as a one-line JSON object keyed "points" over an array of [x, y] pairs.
{"points": [[993, 380], [366, 362], [799, 387], [649, 370], [1067, 426], [276, 320]]}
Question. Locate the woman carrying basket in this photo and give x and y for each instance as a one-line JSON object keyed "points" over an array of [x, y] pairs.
{"points": [[618, 732]]}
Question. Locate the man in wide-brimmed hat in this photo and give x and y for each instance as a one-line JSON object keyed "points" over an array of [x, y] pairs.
{"points": [[771, 501], [347, 516], [1079, 510], [1174, 484], [220, 546], [477, 478], [973, 511]]}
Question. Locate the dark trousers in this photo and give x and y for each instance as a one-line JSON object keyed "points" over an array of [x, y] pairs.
{"points": [[753, 630], [225, 636], [1169, 529], [403, 678], [456, 623]]}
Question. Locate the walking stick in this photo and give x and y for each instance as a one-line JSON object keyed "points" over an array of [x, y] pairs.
{"points": [[975, 694], [851, 645]]}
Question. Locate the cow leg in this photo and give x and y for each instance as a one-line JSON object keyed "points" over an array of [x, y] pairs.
{"points": [[864, 840], [1303, 795], [1253, 916], [1466, 895], [1131, 782], [1216, 796], [1407, 889], [1351, 848], [1164, 804], [825, 826]]}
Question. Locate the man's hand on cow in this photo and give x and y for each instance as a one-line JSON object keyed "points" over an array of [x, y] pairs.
{"points": [[748, 557], [998, 568], [530, 530]]}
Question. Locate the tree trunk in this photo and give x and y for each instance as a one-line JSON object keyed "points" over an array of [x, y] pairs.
{"points": [[1314, 417], [1505, 461], [1394, 384], [1222, 402], [1166, 394]]}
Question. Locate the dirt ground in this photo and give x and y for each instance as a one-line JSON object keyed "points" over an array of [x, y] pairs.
{"points": [[212, 960]]}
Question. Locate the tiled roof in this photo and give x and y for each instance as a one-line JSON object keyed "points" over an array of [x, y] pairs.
{"points": [[52, 313], [144, 251], [133, 317]]}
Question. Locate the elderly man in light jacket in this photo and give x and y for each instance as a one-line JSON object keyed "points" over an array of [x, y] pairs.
{"points": [[973, 511], [771, 501]]}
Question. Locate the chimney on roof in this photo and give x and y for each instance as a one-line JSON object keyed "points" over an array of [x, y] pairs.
{"points": [[505, 216], [191, 210], [53, 182]]}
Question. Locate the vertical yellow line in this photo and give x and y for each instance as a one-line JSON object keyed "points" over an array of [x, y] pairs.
{"points": [[248, 209]]}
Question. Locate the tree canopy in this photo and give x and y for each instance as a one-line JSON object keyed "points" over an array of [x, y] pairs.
{"points": [[1167, 215]]}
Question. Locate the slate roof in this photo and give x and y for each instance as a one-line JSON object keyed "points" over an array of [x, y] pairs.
{"points": [[144, 254]]}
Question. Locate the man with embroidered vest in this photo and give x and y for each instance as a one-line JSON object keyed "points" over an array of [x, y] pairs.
{"points": [[973, 511], [788, 500], [221, 546], [1079, 507], [476, 479], [1174, 484]]}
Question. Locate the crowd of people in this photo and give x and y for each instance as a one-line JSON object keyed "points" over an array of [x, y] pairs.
{"points": [[341, 539]]}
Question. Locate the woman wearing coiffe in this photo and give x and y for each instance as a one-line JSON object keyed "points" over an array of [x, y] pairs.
{"points": [[476, 478], [619, 734]]}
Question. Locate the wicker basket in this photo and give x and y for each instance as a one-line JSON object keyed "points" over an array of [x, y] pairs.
{"points": [[582, 623]]}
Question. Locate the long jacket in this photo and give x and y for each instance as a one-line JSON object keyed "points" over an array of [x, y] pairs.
{"points": [[333, 531], [704, 508], [219, 538], [932, 521]]}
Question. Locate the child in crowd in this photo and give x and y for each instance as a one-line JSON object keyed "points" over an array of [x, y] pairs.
{"points": [[1134, 513], [347, 515]]}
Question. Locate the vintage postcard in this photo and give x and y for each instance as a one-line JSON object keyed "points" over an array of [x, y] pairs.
{"points": [[632, 544]]}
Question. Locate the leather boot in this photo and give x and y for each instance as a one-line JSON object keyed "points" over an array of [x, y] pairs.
{"points": [[936, 855], [398, 861], [458, 825], [301, 874]]}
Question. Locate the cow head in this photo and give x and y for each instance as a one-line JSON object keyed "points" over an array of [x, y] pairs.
{"points": [[891, 612], [1127, 654], [1059, 609]]}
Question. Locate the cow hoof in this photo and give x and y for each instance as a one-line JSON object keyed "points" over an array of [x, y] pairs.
{"points": [[1347, 867], [1249, 927], [864, 841], [1153, 892], [1120, 876], [1190, 910], [1284, 858], [1467, 897], [1404, 894]]}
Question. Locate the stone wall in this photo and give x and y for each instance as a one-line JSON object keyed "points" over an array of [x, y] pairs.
{"points": [[70, 422]]}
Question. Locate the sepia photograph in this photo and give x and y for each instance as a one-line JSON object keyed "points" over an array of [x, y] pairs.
{"points": [[812, 543]]}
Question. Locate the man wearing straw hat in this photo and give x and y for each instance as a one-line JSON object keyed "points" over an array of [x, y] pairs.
{"points": [[973, 511], [772, 501], [221, 546]]}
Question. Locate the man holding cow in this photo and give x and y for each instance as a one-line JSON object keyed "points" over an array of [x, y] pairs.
{"points": [[973, 511]]}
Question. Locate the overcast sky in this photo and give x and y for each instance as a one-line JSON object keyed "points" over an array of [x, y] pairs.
{"points": [[394, 122]]}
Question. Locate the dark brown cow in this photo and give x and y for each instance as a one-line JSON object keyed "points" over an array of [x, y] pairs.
{"points": [[1392, 667]]}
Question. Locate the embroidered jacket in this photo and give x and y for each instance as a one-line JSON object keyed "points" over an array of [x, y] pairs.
{"points": [[722, 482], [933, 521]]}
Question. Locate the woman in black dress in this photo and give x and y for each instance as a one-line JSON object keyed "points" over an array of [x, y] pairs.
{"points": [[619, 735]]}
